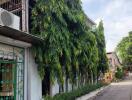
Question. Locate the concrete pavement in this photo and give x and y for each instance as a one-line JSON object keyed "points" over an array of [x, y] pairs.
{"points": [[117, 91]]}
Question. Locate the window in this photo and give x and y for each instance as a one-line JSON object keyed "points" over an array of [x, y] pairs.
{"points": [[7, 80], [11, 73]]}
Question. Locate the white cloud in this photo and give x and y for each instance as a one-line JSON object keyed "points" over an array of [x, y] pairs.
{"points": [[117, 18], [89, 1], [86, 1], [117, 22], [113, 6]]}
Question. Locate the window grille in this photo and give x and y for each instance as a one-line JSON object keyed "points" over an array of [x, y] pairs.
{"points": [[11, 73]]}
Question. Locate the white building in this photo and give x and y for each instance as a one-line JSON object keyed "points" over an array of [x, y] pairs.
{"points": [[19, 78]]}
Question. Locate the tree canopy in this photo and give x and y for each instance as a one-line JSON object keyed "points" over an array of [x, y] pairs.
{"points": [[124, 50]]}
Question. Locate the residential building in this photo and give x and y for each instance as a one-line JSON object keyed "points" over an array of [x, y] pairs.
{"points": [[113, 61], [19, 78], [90, 22]]}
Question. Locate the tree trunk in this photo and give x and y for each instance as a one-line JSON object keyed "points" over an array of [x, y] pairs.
{"points": [[91, 77], [66, 82]]}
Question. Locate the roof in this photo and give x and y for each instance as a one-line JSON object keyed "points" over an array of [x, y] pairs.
{"points": [[19, 35], [91, 21]]}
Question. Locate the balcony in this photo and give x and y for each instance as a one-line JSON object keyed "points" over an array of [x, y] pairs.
{"points": [[19, 8]]}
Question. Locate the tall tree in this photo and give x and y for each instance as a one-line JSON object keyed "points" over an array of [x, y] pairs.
{"points": [[100, 38]]}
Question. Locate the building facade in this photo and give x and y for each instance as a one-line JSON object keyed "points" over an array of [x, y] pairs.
{"points": [[113, 61], [19, 77]]}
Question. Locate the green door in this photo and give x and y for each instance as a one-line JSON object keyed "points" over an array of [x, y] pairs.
{"points": [[8, 80]]}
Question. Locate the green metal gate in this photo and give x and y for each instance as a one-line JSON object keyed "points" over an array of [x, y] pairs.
{"points": [[11, 72], [8, 80]]}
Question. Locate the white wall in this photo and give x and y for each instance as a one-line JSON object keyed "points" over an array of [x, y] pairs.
{"points": [[34, 80], [55, 88]]}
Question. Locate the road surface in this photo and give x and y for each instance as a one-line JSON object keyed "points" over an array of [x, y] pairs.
{"points": [[117, 91]]}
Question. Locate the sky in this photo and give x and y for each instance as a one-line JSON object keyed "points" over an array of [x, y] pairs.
{"points": [[116, 16]]}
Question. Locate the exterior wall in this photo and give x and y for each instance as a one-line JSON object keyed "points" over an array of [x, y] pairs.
{"points": [[55, 88], [113, 61], [34, 80]]}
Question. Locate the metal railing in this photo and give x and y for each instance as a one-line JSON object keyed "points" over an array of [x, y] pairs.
{"points": [[14, 6]]}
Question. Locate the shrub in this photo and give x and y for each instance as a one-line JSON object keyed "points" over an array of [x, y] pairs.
{"points": [[119, 74], [75, 93], [47, 97]]}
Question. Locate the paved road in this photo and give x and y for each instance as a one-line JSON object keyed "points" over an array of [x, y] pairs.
{"points": [[117, 91]]}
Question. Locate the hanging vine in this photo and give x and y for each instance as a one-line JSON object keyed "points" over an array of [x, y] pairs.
{"points": [[69, 48]]}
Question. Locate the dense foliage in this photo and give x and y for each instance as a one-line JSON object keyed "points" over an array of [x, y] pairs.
{"points": [[119, 74], [124, 50], [103, 61], [69, 50], [76, 93]]}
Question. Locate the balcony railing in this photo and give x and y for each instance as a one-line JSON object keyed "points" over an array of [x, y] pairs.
{"points": [[19, 8]]}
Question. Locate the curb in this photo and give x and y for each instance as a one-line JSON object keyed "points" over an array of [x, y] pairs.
{"points": [[93, 94]]}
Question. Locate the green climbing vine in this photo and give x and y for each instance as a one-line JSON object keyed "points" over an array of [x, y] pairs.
{"points": [[69, 50]]}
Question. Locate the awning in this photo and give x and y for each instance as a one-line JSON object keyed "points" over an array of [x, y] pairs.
{"points": [[19, 35]]}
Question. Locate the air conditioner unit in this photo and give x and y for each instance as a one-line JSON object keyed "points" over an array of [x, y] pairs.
{"points": [[9, 19]]}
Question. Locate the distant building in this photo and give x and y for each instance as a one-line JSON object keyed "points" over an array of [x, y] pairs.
{"points": [[113, 61], [90, 22]]}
